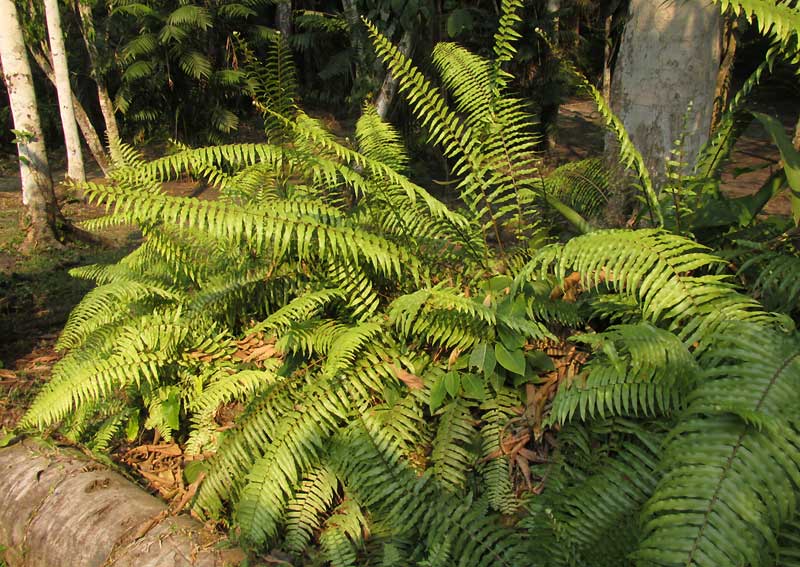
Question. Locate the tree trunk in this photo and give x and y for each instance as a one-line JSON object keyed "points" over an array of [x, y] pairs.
{"points": [[84, 123], [608, 49], [668, 59], [796, 140], [106, 105], [59, 508], [283, 18], [383, 103], [729, 44], [37, 185], [75, 168]]}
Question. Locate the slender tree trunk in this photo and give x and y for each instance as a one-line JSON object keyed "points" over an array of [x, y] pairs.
{"points": [[104, 98], [75, 169], [37, 185], [383, 103], [608, 50], [729, 44], [84, 123], [283, 18], [668, 59]]}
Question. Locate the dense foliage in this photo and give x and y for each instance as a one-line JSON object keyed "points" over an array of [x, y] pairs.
{"points": [[490, 379]]}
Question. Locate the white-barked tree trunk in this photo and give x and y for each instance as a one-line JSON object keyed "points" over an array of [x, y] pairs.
{"points": [[37, 185], [75, 169], [668, 59]]}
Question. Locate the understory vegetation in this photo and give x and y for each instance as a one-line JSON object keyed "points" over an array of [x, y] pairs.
{"points": [[492, 376]]}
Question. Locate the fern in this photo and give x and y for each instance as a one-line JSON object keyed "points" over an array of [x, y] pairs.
{"points": [[379, 350], [637, 369], [731, 463]]}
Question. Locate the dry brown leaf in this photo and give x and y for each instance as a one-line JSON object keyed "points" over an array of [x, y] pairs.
{"points": [[261, 353], [413, 381], [453, 357]]}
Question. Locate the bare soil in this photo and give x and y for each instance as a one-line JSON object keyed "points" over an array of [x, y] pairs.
{"points": [[753, 160]]}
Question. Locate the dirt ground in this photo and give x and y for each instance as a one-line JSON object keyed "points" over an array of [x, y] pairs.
{"points": [[753, 160]]}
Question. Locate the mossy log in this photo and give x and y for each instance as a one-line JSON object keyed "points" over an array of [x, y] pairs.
{"points": [[57, 507]]}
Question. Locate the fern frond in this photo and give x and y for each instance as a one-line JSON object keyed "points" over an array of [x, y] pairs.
{"points": [[343, 534], [637, 369], [452, 456], [141, 349], [313, 498], [658, 270], [732, 465], [497, 412]]}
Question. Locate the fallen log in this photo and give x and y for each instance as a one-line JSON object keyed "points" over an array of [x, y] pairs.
{"points": [[57, 507]]}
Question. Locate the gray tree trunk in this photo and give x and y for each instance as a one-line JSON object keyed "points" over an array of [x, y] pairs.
{"points": [[106, 105], [668, 59], [383, 103], [37, 185], [84, 123], [59, 508], [283, 18], [75, 169]]}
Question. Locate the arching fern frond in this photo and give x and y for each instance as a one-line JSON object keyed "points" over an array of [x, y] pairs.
{"points": [[637, 369], [658, 270], [731, 467]]}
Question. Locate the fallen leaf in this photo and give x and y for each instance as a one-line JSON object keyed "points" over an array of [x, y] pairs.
{"points": [[413, 381]]}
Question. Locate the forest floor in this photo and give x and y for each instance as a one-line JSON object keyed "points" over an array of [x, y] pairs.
{"points": [[37, 293]]}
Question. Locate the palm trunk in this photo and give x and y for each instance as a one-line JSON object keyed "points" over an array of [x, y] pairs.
{"points": [[383, 102], [104, 98], [75, 168], [84, 123], [59, 508], [37, 185]]}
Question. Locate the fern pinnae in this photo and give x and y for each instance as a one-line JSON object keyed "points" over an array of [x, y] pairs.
{"points": [[313, 498], [451, 453], [724, 493]]}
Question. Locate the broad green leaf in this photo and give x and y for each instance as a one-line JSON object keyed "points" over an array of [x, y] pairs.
{"points": [[513, 361], [132, 427], [459, 21], [452, 383], [473, 386], [539, 361], [438, 392], [172, 409], [512, 340], [483, 359]]}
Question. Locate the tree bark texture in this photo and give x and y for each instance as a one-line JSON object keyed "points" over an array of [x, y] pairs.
{"points": [[383, 102], [283, 18], [75, 169], [725, 74], [57, 508], [668, 59], [84, 123], [37, 185], [104, 98]]}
